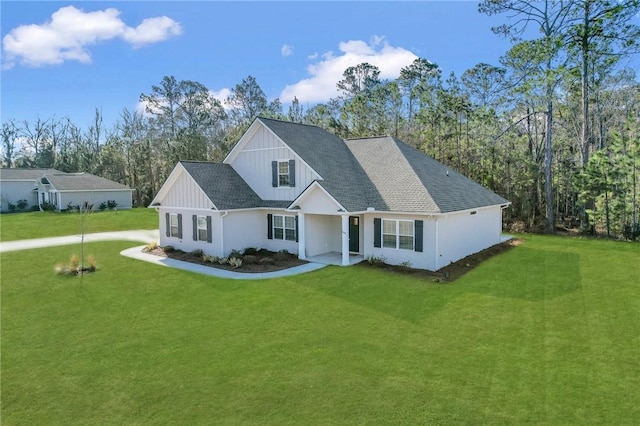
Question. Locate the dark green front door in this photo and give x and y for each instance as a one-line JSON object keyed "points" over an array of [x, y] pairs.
{"points": [[354, 234]]}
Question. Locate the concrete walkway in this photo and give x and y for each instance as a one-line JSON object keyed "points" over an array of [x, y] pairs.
{"points": [[145, 236], [150, 236]]}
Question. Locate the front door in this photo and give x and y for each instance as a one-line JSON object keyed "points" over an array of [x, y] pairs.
{"points": [[354, 234]]}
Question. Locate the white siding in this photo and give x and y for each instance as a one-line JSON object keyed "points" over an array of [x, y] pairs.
{"points": [[316, 201], [186, 243], [123, 198], [186, 193], [462, 234], [323, 234], [12, 191], [253, 164], [419, 260]]}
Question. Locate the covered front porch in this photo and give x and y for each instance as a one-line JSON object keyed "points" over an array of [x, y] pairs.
{"points": [[335, 239], [335, 258]]}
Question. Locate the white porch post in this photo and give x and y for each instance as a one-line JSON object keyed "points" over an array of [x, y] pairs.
{"points": [[301, 237], [345, 240]]}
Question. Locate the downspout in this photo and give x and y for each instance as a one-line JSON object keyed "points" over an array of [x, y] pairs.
{"points": [[437, 246], [222, 233]]}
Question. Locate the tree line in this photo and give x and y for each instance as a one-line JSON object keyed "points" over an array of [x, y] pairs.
{"points": [[554, 127]]}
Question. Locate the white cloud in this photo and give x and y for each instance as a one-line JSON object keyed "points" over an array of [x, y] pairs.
{"points": [[321, 84], [70, 31], [286, 50]]}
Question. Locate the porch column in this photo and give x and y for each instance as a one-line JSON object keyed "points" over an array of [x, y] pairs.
{"points": [[301, 237], [345, 240]]}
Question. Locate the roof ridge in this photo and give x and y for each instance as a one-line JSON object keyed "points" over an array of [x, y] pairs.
{"points": [[291, 122]]}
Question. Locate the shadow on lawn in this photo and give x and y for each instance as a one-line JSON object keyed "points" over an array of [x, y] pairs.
{"points": [[534, 275]]}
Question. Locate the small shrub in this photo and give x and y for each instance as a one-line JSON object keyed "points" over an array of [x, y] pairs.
{"points": [[252, 251], [62, 269], [267, 261], [223, 260], [250, 259], [235, 253], [377, 260], [281, 256], [72, 207], [197, 253], [47, 207], [12, 207], [210, 259], [22, 204], [168, 249], [112, 204], [102, 206], [93, 264], [150, 247], [74, 262], [235, 262]]}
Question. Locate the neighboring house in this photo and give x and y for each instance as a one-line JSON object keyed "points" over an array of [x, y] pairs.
{"points": [[63, 190], [18, 184], [295, 187]]}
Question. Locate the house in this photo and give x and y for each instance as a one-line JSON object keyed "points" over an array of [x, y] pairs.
{"points": [[295, 187], [17, 185], [65, 190]]}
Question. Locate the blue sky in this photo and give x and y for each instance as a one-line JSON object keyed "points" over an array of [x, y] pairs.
{"points": [[64, 59]]}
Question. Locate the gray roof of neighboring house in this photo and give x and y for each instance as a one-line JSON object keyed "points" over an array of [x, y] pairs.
{"points": [[83, 182], [24, 174], [225, 188]]}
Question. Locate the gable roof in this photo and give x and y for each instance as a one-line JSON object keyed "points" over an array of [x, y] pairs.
{"points": [[224, 186], [83, 182], [326, 153], [20, 174], [382, 172]]}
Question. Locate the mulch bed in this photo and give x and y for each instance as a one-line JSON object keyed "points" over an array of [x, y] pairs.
{"points": [[284, 261], [280, 260]]}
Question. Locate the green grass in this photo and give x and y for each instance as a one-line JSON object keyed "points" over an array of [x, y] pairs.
{"points": [[21, 226], [546, 333]]}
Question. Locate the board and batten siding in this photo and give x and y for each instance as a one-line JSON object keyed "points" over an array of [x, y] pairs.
{"points": [[253, 164], [186, 193]]}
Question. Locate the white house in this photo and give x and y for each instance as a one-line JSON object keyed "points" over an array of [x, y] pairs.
{"points": [[300, 188], [18, 184]]}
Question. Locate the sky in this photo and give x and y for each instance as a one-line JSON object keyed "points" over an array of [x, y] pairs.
{"points": [[65, 59]]}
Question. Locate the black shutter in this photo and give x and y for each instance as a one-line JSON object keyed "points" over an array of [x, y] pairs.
{"points": [[377, 232], [418, 234], [297, 229], [167, 224], [292, 173], [270, 226], [179, 225], [274, 174], [195, 227], [209, 230]]}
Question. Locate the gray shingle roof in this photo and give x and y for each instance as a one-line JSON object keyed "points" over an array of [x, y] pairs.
{"points": [[411, 181], [382, 172], [83, 182], [24, 174], [343, 177], [225, 188]]}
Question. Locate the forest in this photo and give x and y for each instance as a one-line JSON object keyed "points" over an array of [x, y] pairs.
{"points": [[554, 127]]}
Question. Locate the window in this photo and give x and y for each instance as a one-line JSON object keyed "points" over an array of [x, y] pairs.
{"points": [[283, 173], [202, 228], [398, 234], [284, 227], [174, 226]]}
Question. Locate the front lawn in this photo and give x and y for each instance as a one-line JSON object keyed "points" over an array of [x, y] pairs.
{"points": [[22, 226], [545, 333]]}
